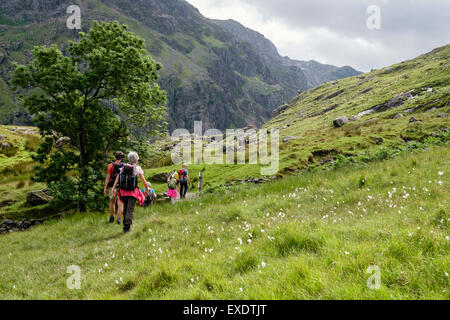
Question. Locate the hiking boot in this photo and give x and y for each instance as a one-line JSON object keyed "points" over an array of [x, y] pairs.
{"points": [[126, 228], [119, 221], [111, 219]]}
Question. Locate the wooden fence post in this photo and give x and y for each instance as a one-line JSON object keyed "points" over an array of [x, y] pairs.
{"points": [[200, 181]]}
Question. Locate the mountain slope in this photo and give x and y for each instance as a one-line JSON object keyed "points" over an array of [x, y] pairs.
{"points": [[209, 73], [409, 101], [314, 72]]}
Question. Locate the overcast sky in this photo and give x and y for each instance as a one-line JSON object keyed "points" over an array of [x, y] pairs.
{"points": [[336, 32]]}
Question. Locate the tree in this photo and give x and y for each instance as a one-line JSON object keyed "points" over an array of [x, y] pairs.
{"points": [[104, 86]]}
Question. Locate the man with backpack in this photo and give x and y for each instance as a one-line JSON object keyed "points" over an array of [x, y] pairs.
{"points": [[111, 175], [185, 181]]}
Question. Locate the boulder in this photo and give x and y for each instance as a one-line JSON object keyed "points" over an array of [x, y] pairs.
{"points": [[355, 118], [442, 115], [378, 140], [339, 122], [35, 198], [289, 138], [62, 142], [399, 99], [160, 177], [5, 145], [2, 138], [412, 120], [398, 116]]}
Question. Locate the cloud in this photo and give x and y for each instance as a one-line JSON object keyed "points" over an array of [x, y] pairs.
{"points": [[336, 32]]}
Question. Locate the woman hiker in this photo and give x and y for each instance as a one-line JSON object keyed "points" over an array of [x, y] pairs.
{"points": [[129, 191], [174, 185]]}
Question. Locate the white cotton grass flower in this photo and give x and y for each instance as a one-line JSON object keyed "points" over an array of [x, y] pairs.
{"points": [[441, 173]]}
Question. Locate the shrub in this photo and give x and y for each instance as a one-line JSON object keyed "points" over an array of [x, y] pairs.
{"points": [[9, 151], [20, 185], [32, 143]]}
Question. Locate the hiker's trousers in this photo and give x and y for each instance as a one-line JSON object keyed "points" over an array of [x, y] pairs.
{"points": [[183, 189], [129, 203]]}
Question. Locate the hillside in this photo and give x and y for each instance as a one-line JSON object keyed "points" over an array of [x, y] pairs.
{"points": [[406, 102], [313, 236], [410, 103], [210, 74]]}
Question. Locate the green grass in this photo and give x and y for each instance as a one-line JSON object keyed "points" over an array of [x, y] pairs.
{"points": [[313, 236]]}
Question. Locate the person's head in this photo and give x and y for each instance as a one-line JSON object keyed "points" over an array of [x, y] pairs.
{"points": [[133, 157], [149, 185], [120, 156], [185, 166]]}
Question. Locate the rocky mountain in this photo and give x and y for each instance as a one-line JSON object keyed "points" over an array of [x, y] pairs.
{"points": [[315, 73], [219, 72]]}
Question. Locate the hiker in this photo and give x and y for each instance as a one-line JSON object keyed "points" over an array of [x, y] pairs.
{"points": [[151, 198], [111, 175], [129, 191], [174, 184], [185, 181]]}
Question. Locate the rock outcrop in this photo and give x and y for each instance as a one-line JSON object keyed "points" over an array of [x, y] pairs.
{"points": [[35, 198], [339, 122]]}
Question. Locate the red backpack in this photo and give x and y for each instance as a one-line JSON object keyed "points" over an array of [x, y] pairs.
{"points": [[181, 174]]}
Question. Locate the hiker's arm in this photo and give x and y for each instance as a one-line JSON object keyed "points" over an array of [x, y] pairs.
{"points": [[115, 185], [188, 179], [108, 177], [145, 184]]}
